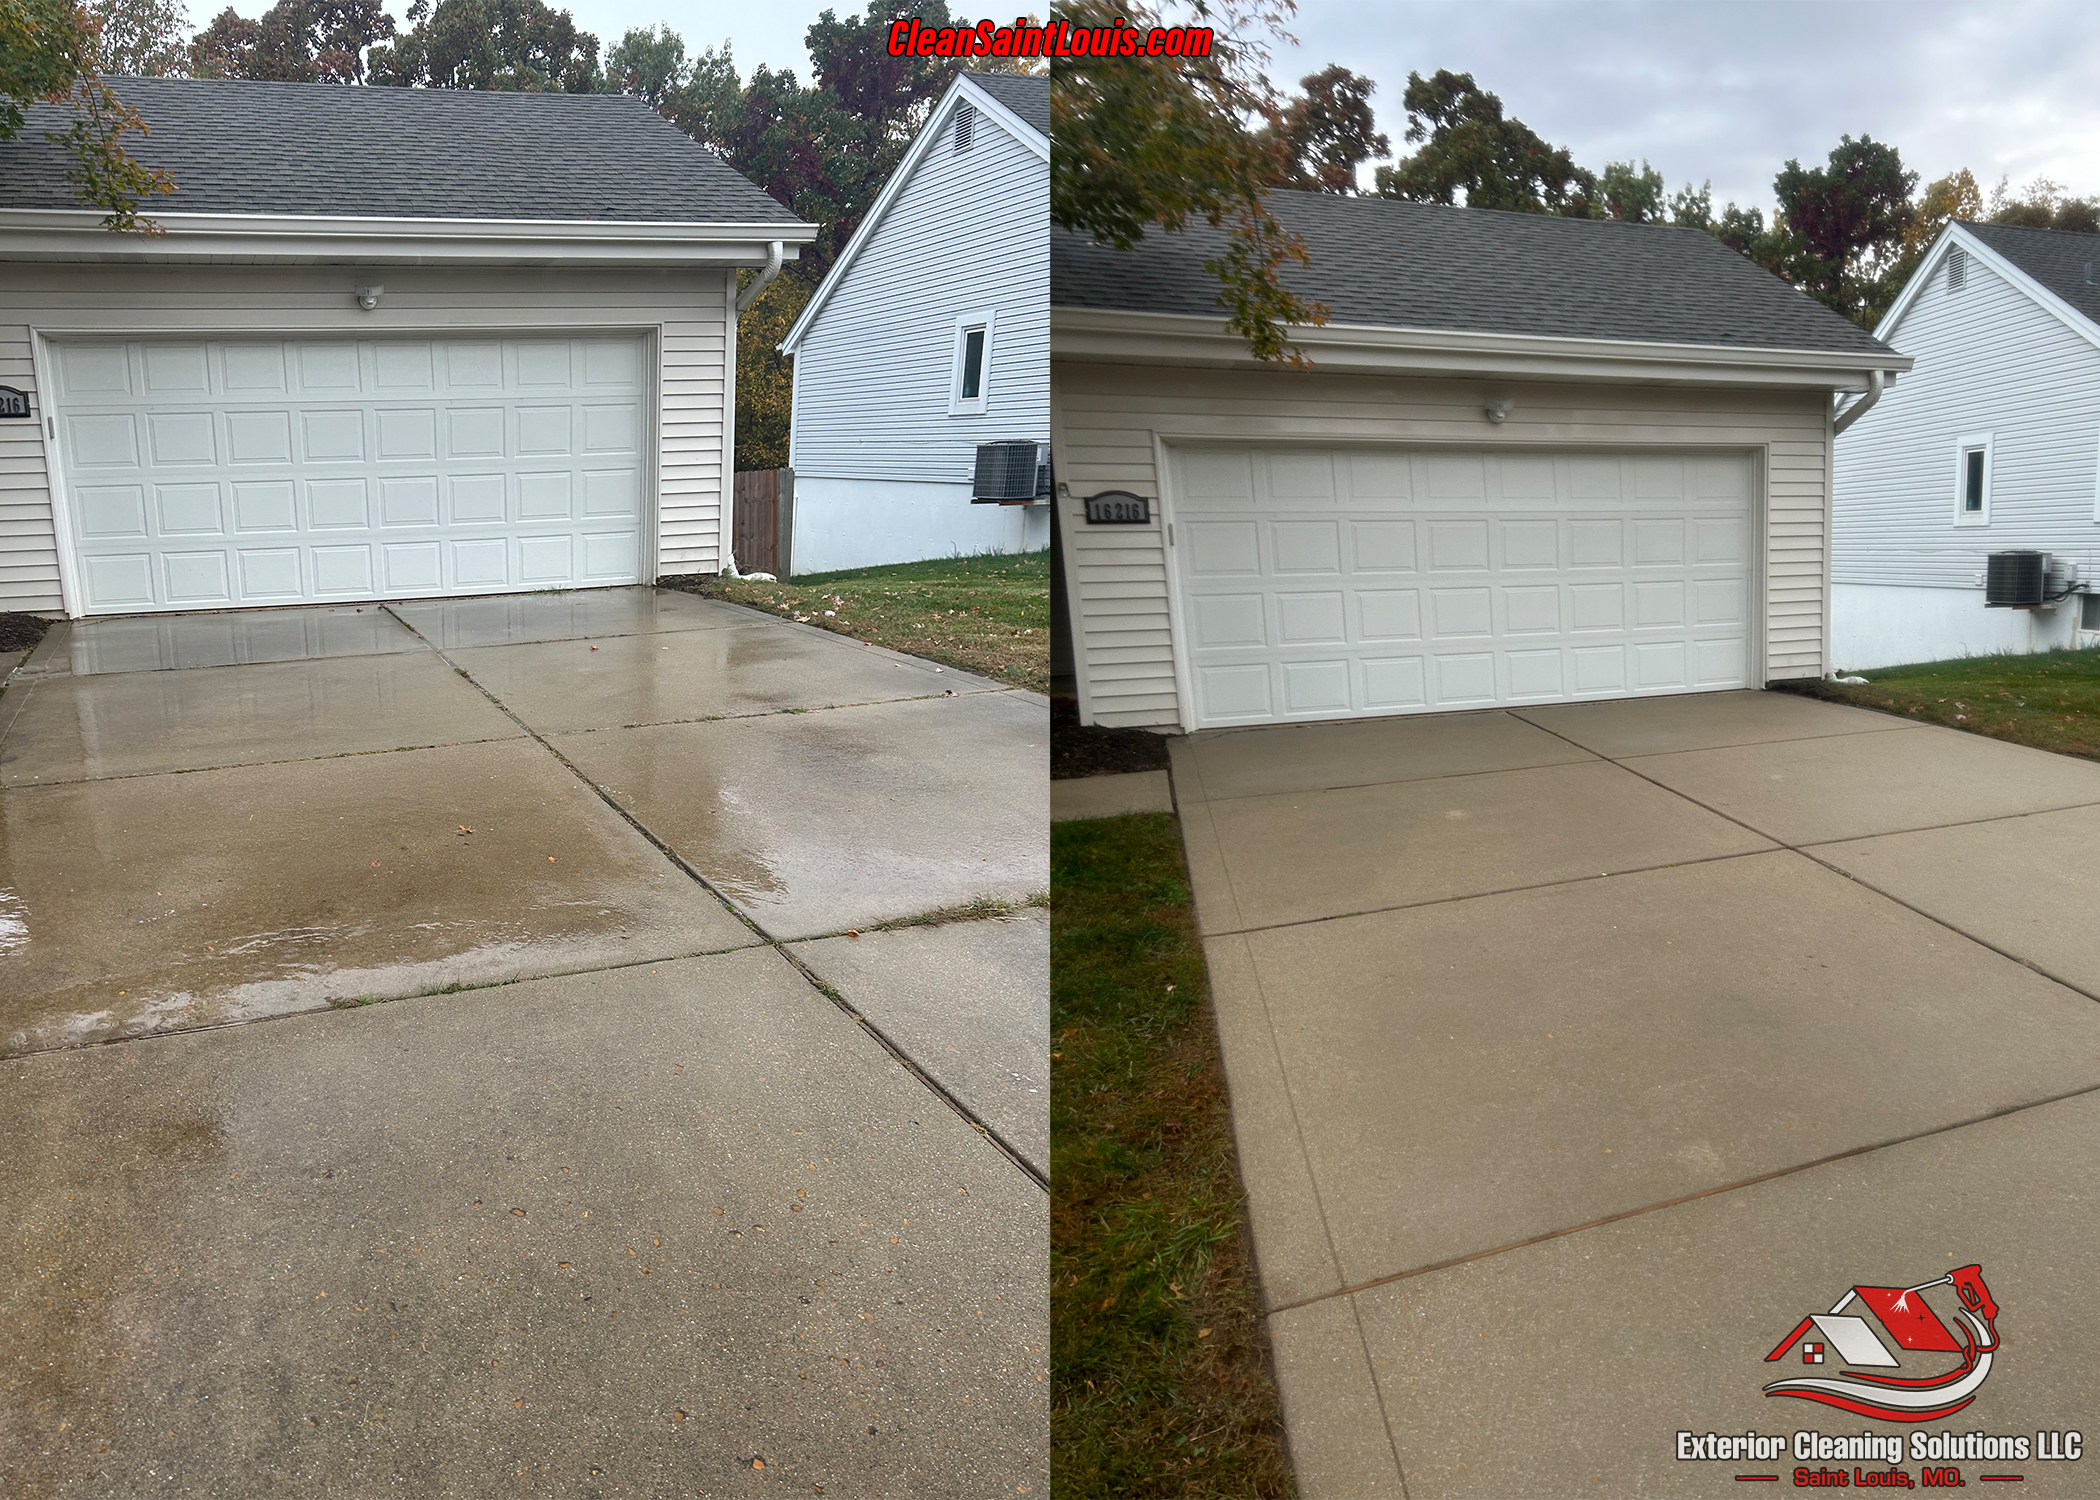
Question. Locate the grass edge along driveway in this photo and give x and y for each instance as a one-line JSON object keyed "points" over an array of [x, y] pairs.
{"points": [[2049, 700], [988, 614], [1162, 1382]]}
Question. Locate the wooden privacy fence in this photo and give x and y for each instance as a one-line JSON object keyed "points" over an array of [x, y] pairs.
{"points": [[762, 528]]}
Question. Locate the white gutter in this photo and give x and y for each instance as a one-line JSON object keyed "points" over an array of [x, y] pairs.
{"points": [[1180, 338], [1876, 382], [757, 289], [75, 234]]}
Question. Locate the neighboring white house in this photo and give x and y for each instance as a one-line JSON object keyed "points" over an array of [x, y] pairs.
{"points": [[1992, 444], [1536, 460], [394, 343], [930, 336]]}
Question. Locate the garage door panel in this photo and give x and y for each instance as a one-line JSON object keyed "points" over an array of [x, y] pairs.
{"points": [[1378, 477], [400, 368], [1389, 615], [1460, 580], [176, 370], [187, 509], [1530, 543], [258, 437], [1535, 676], [1457, 545], [1383, 546], [363, 468], [94, 370], [1305, 546], [1393, 683], [1310, 620], [270, 573], [252, 370]]}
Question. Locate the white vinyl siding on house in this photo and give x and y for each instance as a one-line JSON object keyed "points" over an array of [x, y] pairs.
{"points": [[875, 375], [1989, 361], [1111, 421], [684, 313]]}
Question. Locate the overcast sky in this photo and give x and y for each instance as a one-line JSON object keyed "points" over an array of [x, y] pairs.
{"points": [[1729, 89], [1720, 89]]}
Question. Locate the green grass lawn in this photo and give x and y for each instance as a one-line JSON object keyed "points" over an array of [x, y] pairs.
{"points": [[989, 614], [1159, 1359], [2050, 700]]}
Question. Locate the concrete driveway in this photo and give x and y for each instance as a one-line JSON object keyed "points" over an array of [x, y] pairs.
{"points": [[667, 1175], [1578, 1053]]}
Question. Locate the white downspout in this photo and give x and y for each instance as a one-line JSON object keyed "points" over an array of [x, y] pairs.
{"points": [[757, 289], [1876, 380]]}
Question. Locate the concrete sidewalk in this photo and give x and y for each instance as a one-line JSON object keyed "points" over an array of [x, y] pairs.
{"points": [[1577, 1053]]}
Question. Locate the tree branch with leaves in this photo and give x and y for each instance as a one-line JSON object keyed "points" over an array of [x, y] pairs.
{"points": [[1144, 145], [48, 52]]}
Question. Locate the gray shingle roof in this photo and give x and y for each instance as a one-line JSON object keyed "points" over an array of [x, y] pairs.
{"points": [[1383, 263], [317, 148], [1026, 95], [2062, 260]]}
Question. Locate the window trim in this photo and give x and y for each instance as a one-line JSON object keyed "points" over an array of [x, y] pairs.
{"points": [[1981, 442], [960, 405]]}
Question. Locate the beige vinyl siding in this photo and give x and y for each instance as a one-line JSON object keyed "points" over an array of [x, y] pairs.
{"points": [[686, 311], [1107, 418], [1990, 360], [28, 551]]}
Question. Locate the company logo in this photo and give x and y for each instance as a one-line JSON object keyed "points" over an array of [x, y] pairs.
{"points": [[1911, 1324]]}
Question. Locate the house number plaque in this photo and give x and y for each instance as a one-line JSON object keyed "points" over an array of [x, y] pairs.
{"points": [[13, 403], [1118, 508]]}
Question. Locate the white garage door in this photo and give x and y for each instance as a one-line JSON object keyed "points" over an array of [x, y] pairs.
{"points": [[255, 472], [1324, 584]]}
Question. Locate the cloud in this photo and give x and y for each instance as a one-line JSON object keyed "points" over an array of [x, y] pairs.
{"points": [[1730, 91]]}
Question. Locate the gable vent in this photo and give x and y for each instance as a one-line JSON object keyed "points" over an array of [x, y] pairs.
{"points": [[1957, 269], [965, 127]]}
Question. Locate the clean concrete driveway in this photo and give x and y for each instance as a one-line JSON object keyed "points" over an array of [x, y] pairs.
{"points": [[667, 1174], [1577, 1053]]}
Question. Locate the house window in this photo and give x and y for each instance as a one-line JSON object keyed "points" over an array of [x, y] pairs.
{"points": [[970, 383], [965, 128], [1972, 481], [1957, 269]]}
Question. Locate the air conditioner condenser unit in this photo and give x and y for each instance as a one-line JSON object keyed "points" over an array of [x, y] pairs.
{"points": [[1011, 473]]}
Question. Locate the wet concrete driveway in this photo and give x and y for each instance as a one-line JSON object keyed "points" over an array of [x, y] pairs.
{"points": [[655, 1182]]}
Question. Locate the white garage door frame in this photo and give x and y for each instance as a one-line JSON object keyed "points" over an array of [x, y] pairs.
{"points": [[43, 367], [1166, 455]]}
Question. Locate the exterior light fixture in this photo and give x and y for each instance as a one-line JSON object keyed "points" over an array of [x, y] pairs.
{"points": [[368, 296], [1498, 411]]}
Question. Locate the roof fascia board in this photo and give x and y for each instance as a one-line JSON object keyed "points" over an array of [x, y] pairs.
{"points": [[1914, 288], [69, 234], [887, 198], [1016, 127], [59, 234], [1183, 338], [2047, 300]]}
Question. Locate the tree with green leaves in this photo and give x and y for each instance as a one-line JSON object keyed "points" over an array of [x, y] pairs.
{"points": [[1468, 145], [2043, 204], [1844, 225], [1144, 146], [506, 45], [142, 38], [48, 52], [295, 41], [1634, 194], [1326, 133]]}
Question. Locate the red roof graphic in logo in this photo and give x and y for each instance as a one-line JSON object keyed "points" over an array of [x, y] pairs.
{"points": [[1904, 1318]]}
